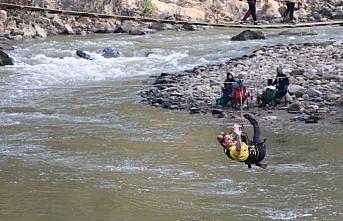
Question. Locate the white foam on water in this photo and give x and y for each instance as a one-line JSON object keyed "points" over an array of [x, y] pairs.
{"points": [[43, 70]]}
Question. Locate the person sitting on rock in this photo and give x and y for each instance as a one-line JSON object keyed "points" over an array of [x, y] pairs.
{"points": [[236, 149], [251, 11]]}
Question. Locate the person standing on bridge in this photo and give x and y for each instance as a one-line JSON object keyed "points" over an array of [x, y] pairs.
{"points": [[251, 11]]}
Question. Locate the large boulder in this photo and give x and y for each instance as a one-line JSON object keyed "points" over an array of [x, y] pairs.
{"points": [[248, 35], [5, 59], [110, 53]]}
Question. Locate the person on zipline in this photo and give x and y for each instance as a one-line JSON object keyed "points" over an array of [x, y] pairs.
{"points": [[251, 11], [236, 146]]}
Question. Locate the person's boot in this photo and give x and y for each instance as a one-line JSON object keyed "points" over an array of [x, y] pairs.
{"points": [[250, 118]]}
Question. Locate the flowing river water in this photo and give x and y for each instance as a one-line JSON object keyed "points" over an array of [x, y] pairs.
{"points": [[76, 143]]}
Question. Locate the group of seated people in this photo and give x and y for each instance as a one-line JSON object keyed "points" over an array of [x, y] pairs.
{"points": [[234, 92]]}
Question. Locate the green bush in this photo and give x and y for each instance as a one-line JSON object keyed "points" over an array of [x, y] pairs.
{"points": [[146, 8]]}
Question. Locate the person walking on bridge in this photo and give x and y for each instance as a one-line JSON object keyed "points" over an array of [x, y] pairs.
{"points": [[290, 10], [251, 11]]}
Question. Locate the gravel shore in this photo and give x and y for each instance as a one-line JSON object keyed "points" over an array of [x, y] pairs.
{"points": [[315, 71]]}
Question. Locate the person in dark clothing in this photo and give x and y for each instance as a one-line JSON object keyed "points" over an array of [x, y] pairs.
{"points": [[241, 150], [281, 82], [290, 11], [227, 88], [229, 78], [251, 11]]}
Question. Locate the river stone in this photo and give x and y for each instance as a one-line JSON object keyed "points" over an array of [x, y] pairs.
{"points": [[312, 120], [58, 23], [136, 32], [110, 53], [297, 72], [313, 92], [293, 89], [40, 32], [68, 30], [84, 55], [5, 59], [294, 108], [217, 111], [195, 110], [85, 20], [118, 30], [190, 27], [248, 35], [127, 26]]}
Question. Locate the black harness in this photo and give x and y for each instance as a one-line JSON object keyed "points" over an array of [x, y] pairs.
{"points": [[252, 148]]}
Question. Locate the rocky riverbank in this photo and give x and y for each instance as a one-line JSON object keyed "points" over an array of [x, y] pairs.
{"points": [[315, 91]]}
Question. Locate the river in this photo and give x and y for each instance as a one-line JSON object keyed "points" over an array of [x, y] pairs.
{"points": [[77, 144]]}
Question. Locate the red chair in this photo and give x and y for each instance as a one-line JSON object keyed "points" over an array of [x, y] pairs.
{"points": [[238, 93]]}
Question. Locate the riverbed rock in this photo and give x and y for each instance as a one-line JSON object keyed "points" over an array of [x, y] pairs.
{"points": [[85, 20], [40, 32], [127, 26], [248, 35], [294, 89], [110, 53], [190, 27], [84, 55], [68, 30], [312, 120], [297, 72], [136, 32], [58, 23], [294, 108], [313, 92], [5, 59]]}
